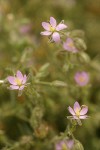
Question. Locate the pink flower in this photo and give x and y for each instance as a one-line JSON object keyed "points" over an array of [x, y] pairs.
{"points": [[64, 145], [24, 29], [69, 45], [53, 29], [17, 82], [78, 112], [81, 78]]}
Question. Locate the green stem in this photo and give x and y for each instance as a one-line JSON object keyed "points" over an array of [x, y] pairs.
{"points": [[43, 83]]}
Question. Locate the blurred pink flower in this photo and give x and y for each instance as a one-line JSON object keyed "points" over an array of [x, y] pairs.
{"points": [[53, 29], [24, 29], [69, 45], [17, 82], [81, 78], [78, 112], [64, 145]]}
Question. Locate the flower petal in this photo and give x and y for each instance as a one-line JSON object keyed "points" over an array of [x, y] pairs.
{"points": [[71, 110], [84, 110], [61, 26], [19, 75], [12, 80], [46, 33], [56, 37], [76, 106], [53, 22], [14, 87], [83, 117], [24, 79], [22, 87], [69, 45], [70, 143], [46, 26], [81, 78]]}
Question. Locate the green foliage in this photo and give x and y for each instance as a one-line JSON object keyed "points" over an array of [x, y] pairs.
{"points": [[37, 119]]}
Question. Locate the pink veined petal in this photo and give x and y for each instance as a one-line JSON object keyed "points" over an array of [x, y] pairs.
{"points": [[22, 87], [47, 33], [71, 110], [76, 106], [14, 87], [56, 37], [46, 26], [83, 117], [61, 26], [53, 22], [84, 110], [12, 79], [19, 75], [24, 79]]}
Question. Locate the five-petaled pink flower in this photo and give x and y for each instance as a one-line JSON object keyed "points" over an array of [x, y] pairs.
{"points": [[69, 45], [81, 78], [18, 81], [78, 112], [64, 144], [53, 29]]}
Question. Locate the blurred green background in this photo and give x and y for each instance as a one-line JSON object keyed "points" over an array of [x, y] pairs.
{"points": [[22, 47]]}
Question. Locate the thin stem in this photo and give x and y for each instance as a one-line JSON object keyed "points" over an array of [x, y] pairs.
{"points": [[43, 83]]}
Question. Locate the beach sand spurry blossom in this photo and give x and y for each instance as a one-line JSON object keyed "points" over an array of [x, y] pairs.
{"points": [[52, 29]]}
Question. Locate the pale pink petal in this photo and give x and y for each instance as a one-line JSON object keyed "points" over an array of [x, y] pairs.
{"points": [[70, 143], [14, 87], [53, 22], [46, 33], [12, 79], [56, 37], [59, 145], [84, 110], [46, 26], [24, 79], [69, 45], [61, 26], [83, 117], [71, 110], [69, 40], [19, 75], [81, 78], [22, 87], [86, 76], [75, 117], [76, 106]]}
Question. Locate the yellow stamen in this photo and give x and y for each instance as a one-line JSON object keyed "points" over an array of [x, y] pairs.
{"points": [[71, 44], [78, 112], [64, 146], [18, 81], [81, 79], [52, 29]]}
